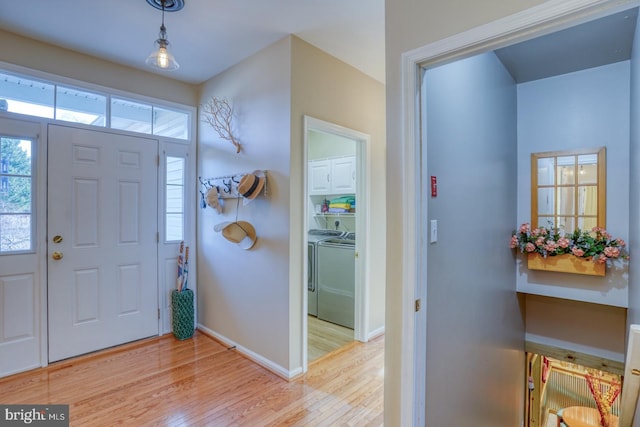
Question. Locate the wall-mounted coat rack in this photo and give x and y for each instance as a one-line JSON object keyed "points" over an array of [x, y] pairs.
{"points": [[227, 185]]}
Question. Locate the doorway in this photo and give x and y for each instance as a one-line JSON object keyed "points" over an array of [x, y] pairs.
{"points": [[417, 227], [335, 235], [102, 245]]}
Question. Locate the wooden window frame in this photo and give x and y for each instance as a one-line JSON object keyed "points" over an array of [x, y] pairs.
{"points": [[601, 185]]}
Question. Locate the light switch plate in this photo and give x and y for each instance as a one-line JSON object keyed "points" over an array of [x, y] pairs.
{"points": [[434, 230]]}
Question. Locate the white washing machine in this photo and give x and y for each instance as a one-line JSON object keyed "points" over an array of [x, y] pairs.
{"points": [[315, 236], [335, 280]]}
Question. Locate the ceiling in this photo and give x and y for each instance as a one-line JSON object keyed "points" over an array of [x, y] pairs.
{"points": [[206, 36], [602, 41]]}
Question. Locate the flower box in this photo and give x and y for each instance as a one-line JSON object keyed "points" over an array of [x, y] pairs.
{"points": [[565, 263]]}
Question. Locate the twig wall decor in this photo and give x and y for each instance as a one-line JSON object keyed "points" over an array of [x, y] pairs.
{"points": [[219, 113]]}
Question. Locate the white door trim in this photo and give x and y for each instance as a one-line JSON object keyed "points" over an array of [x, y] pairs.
{"points": [[545, 18], [363, 188]]}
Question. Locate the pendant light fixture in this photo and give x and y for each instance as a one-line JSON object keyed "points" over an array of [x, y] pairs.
{"points": [[161, 58]]}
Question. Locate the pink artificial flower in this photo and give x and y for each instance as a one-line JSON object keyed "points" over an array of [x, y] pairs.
{"points": [[602, 259], [535, 232], [601, 232], [514, 242], [524, 228], [530, 247], [540, 241], [611, 252], [620, 243], [551, 246], [577, 252], [564, 243]]}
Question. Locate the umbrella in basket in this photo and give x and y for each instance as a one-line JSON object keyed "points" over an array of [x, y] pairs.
{"points": [[185, 269], [180, 279]]}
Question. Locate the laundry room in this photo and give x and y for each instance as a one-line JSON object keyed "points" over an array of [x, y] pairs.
{"points": [[332, 171]]}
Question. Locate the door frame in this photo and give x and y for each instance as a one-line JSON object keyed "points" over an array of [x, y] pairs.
{"points": [[363, 188], [550, 16]]}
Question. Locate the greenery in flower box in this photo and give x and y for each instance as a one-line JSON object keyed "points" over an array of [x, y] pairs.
{"points": [[598, 244]]}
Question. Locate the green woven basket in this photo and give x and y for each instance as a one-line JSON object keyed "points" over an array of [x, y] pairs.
{"points": [[182, 313]]}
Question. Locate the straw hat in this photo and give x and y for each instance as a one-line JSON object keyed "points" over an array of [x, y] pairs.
{"points": [[212, 199], [251, 184], [240, 232]]}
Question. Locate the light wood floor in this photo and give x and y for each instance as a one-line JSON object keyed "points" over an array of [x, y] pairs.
{"points": [[198, 382], [325, 337]]}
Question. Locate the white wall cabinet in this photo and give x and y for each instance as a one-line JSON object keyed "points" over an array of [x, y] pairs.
{"points": [[332, 176], [319, 177]]}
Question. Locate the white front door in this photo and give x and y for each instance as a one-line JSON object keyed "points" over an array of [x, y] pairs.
{"points": [[102, 240]]}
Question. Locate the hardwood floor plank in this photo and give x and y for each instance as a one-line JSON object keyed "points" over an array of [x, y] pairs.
{"points": [[199, 382], [325, 337]]}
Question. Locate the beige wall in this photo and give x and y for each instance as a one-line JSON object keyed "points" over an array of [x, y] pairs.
{"points": [[595, 329], [410, 25], [254, 298], [328, 89], [51, 59]]}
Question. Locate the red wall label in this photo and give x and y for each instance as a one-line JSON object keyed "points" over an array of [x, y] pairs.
{"points": [[434, 186]]}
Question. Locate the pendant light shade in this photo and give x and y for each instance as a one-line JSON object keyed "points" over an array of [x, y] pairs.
{"points": [[161, 58]]}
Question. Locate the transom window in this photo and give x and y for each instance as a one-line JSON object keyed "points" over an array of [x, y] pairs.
{"points": [[19, 94], [568, 189]]}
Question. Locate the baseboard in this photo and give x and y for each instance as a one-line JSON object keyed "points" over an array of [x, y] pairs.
{"points": [[375, 333], [254, 357]]}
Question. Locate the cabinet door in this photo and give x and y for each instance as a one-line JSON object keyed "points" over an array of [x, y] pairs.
{"points": [[319, 177], [343, 175]]}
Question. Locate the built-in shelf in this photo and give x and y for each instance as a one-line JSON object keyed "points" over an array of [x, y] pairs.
{"points": [[335, 214]]}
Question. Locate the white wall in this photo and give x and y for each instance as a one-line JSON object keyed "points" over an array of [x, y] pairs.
{"points": [[244, 295], [585, 109], [323, 146], [475, 329]]}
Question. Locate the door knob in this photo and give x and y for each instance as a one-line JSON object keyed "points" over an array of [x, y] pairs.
{"points": [[57, 255]]}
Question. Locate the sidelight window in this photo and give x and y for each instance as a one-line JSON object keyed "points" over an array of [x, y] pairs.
{"points": [[174, 198], [16, 195]]}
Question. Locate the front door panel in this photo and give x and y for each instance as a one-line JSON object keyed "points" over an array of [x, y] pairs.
{"points": [[102, 248]]}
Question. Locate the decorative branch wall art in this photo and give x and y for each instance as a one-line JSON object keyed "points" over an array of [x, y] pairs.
{"points": [[218, 112]]}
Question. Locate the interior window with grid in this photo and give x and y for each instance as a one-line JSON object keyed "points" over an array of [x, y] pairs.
{"points": [[568, 190]]}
